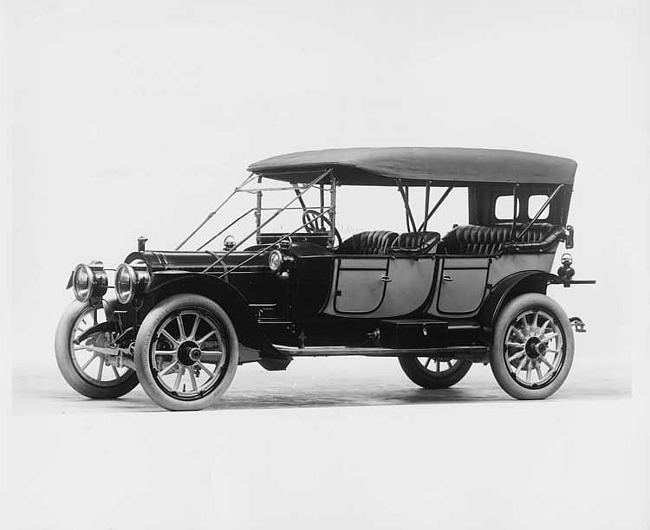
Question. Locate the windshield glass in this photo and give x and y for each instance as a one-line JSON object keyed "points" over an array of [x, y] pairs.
{"points": [[362, 208]]}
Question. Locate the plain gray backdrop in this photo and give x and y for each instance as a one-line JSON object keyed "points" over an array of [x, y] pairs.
{"points": [[130, 118]]}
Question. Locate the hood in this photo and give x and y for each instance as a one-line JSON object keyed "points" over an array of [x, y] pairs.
{"points": [[157, 261]]}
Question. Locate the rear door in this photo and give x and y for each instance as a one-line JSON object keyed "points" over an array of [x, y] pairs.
{"points": [[462, 285]]}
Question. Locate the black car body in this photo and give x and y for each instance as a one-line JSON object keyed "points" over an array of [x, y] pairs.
{"points": [[436, 302]]}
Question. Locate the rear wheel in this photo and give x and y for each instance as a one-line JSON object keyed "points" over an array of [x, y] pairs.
{"points": [[186, 352], [430, 372], [532, 349]]}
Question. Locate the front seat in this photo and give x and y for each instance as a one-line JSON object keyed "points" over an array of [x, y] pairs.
{"points": [[370, 242]]}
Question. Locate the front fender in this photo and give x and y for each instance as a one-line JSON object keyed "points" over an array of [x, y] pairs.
{"points": [[103, 327], [167, 283], [511, 286]]}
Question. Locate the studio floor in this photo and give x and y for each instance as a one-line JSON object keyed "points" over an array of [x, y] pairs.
{"points": [[347, 443]]}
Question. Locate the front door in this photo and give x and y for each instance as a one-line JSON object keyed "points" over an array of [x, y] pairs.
{"points": [[380, 287], [360, 284]]}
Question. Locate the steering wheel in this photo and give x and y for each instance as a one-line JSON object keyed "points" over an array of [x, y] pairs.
{"points": [[310, 220]]}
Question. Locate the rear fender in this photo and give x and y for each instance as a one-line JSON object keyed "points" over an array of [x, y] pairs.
{"points": [[256, 346], [511, 286]]}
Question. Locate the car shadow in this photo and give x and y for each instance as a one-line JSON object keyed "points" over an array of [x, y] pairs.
{"points": [[51, 395], [284, 399], [415, 396]]}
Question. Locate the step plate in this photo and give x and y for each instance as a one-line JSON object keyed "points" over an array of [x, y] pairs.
{"points": [[409, 334]]}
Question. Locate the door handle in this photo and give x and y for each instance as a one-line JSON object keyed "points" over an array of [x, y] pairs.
{"points": [[447, 278], [385, 279]]}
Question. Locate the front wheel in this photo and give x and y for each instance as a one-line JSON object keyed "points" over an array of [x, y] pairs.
{"points": [[532, 348], [92, 374], [186, 352]]}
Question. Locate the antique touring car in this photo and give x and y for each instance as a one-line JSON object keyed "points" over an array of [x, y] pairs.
{"points": [[180, 322]]}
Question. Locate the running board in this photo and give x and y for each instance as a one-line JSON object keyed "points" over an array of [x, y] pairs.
{"points": [[474, 353]]}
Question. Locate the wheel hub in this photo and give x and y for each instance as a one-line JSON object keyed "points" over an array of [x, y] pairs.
{"points": [[189, 353], [535, 348]]}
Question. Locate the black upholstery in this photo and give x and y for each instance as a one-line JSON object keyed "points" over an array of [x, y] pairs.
{"points": [[472, 239], [372, 242], [415, 242]]}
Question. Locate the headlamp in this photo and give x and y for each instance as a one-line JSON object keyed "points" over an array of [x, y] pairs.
{"points": [[89, 281], [129, 279]]}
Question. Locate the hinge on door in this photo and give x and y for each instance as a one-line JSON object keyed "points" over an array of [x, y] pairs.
{"points": [[337, 293]]}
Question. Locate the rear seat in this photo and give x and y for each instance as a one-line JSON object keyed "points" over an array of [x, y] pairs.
{"points": [[472, 239], [371, 242]]}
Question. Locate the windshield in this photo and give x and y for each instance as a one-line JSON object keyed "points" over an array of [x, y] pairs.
{"points": [[321, 210]]}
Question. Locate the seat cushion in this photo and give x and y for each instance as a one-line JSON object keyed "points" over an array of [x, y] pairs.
{"points": [[540, 237], [415, 242], [472, 239], [371, 242]]}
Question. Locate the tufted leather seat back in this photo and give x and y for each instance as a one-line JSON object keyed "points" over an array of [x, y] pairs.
{"points": [[415, 242], [372, 242], [472, 239]]}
